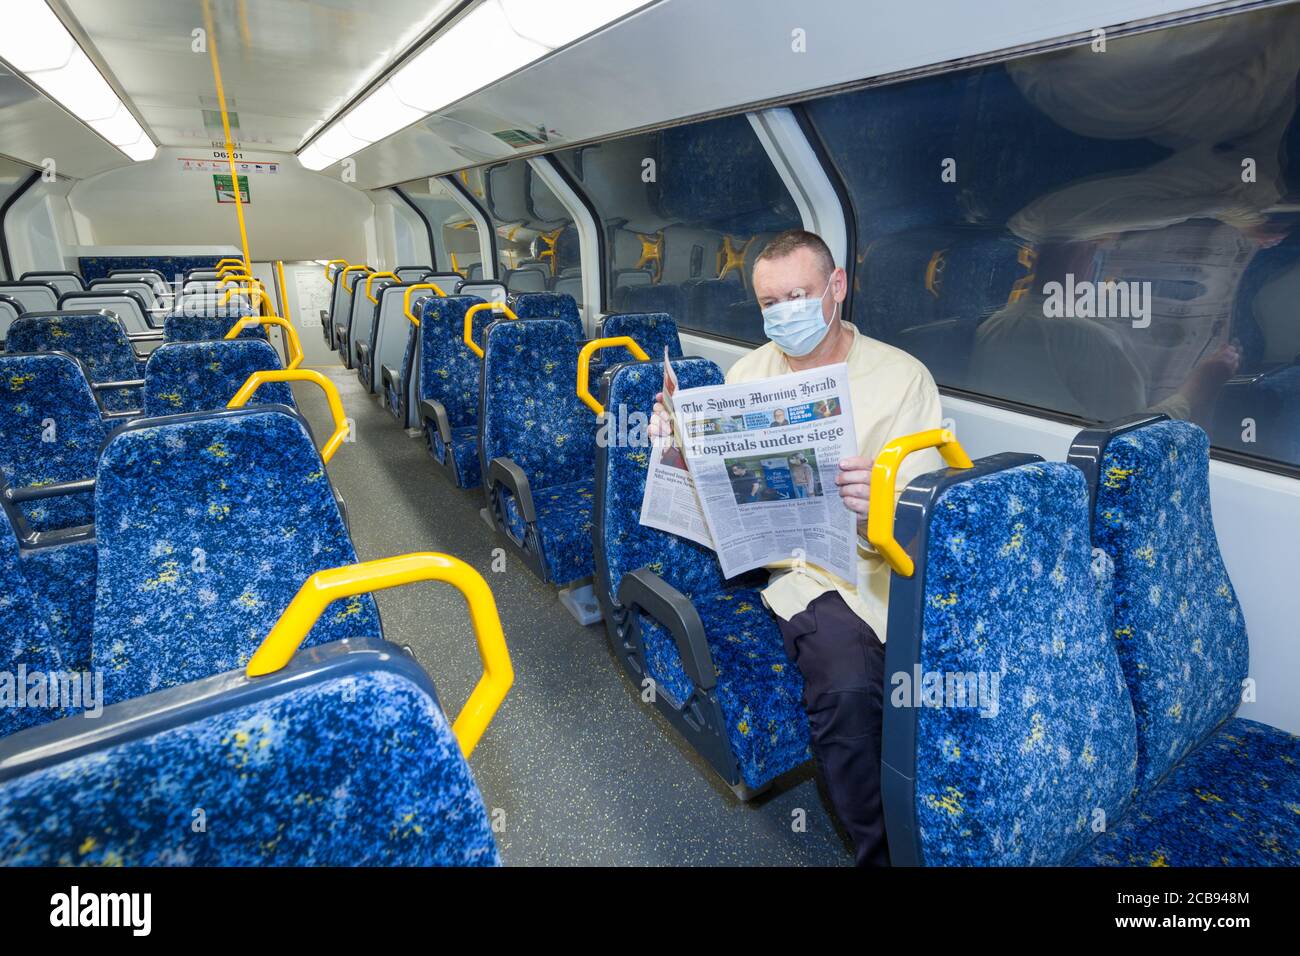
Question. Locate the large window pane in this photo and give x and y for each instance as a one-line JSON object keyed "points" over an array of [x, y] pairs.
{"points": [[685, 211], [1093, 233], [536, 240], [454, 232]]}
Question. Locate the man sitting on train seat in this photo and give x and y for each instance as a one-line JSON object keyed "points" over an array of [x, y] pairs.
{"points": [[833, 631]]}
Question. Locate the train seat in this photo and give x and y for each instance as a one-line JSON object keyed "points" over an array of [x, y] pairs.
{"points": [[538, 445], [388, 337], [127, 304], [548, 305], [527, 279], [488, 289], [51, 431], [570, 285], [1010, 738], [62, 281], [35, 296], [710, 646], [1212, 788], [652, 331], [360, 331], [115, 371], [353, 302], [202, 376], [209, 328], [10, 309], [650, 298], [448, 282], [449, 385], [186, 591], [411, 273], [342, 758]]}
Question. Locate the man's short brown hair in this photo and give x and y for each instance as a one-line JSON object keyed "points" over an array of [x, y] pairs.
{"points": [[792, 240]]}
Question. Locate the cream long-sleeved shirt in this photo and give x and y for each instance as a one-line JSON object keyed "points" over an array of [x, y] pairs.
{"points": [[893, 395]]}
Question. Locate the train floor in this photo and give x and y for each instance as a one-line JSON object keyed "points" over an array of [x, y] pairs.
{"points": [[574, 768]]}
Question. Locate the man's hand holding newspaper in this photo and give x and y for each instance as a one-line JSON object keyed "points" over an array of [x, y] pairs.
{"points": [[761, 472]]}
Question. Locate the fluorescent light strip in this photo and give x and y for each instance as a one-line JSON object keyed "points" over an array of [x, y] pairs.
{"points": [[493, 40], [36, 44]]}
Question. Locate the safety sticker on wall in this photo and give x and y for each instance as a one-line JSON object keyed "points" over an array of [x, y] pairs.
{"points": [[226, 192]]}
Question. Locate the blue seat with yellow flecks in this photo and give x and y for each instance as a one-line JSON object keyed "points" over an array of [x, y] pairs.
{"points": [[712, 649], [449, 385], [97, 339], [653, 331], [201, 376]]}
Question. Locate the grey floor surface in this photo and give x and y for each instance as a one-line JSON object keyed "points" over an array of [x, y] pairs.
{"points": [[584, 773]]}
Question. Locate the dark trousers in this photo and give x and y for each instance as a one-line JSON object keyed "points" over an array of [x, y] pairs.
{"points": [[843, 666]]}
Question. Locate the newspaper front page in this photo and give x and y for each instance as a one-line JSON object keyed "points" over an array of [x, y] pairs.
{"points": [[751, 470]]}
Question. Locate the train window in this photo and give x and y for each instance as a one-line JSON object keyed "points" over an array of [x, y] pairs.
{"points": [[1093, 235], [685, 211], [537, 242], [12, 177], [454, 231]]}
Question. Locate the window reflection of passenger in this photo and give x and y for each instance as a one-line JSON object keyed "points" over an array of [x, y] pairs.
{"points": [[801, 474], [779, 419]]}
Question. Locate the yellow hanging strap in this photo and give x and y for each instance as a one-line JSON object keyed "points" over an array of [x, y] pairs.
{"points": [[411, 290], [652, 250], [584, 373], [550, 238], [884, 478], [472, 311], [378, 275], [258, 379], [325, 587], [729, 257], [290, 334], [229, 140]]}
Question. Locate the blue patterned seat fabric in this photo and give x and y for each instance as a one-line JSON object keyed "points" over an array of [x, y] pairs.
{"points": [[532, 415], [343, 768], [1009, 591], [549, 305], [64, 576], [96, 338], [650, 330], [207, 526], [200, 376], [179, 327], [449, 373], [98, 267], [1234, 801], [758, 689], [39, 390], [564, 524]]}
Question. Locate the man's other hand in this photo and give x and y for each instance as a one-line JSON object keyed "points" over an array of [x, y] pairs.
{"points": [[854, 481], [661, 425]]}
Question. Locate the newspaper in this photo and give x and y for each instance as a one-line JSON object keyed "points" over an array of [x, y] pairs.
{"points": [[751, 470]]}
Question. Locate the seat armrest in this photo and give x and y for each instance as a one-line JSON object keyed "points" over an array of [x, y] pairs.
{"points": [[389, 376], [363, 351], [503, 471], [432, 410], [53, 490], [644, 591], [117, 386]]}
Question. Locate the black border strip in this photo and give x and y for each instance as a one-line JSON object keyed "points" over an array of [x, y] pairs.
{"points": [[847, 206], [4, 214], [602, 252], [468, 196], [428, 226]]}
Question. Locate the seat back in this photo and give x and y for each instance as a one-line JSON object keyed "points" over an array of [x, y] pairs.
{"points": [[62, 281], [528, 278], [51, 431], [448, 282], [412, 273], [203, 376], [449, 371], [1008, 734], [530, 411], [365, 315], [650, 330], [487, 290], [393, 330], [1178, 626], [623, 544], [145, 289], [179, 327], [27, 641], [343, 758], [548, 305], [207, 525], [650, 298], [10, 309], [96, 338], [128, 305], [33, 296]]}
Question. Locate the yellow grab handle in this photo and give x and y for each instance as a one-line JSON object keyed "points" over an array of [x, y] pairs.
{"points": [[411, 290], [378, 275], [224, 263], [344, 274], [884, 478], [334, 262], [258, 379], [469, 319], [325, 587], [584, 373], [258, 294], [290, 334]]}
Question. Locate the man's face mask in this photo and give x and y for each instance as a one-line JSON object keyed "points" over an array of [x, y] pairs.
{"points": [[797, 326]]}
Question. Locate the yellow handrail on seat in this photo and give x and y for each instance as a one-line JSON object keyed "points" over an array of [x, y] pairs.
{"points": [[258, 379], [884, 478], [343, 275], [333, 262], [469, 318], [419, 287], [584, 373], [290, 333], [378, 275], [230, 261], [325, 587]]}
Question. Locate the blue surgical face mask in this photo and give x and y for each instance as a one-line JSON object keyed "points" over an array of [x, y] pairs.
{"points": [[797, 326]]}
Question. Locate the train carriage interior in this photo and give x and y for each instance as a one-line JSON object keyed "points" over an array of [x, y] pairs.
{"points": [[330, 338]]}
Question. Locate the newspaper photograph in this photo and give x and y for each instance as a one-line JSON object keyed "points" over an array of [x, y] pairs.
{"points": [[751, 470]]}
